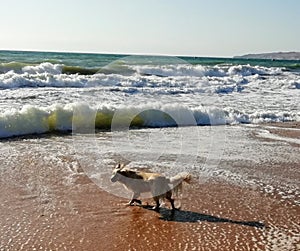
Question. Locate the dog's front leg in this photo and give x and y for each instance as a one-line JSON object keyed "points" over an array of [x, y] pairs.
{"points": [[169, 197], [134, 199], [156, 207]]}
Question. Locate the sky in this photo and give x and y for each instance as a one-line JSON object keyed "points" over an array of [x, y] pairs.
{"points": [[170, 27]]}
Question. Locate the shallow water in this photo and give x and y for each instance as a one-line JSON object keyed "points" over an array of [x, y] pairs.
{"points": [[245, 193]]}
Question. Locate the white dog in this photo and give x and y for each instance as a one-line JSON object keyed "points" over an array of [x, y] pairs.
{"points": [[141, 182]]}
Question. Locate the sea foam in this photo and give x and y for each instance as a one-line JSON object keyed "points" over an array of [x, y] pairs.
{"points": [[49, 96], [36, 120]]}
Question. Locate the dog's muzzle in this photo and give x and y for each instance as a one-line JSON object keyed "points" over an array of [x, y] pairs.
{"points": [[113, 178]]}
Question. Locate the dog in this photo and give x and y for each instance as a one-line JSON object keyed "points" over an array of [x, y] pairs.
{"points": [[160, 186]]}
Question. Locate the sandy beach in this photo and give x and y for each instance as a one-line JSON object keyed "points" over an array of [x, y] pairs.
{"points": [[42, 210], [200, 96]]}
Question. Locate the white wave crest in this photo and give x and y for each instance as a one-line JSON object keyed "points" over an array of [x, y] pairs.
{"points": [[201, 71], [43, 68], [36, 120]]}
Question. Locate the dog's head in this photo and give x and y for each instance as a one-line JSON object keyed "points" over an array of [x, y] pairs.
{"points": [[116, 174]]}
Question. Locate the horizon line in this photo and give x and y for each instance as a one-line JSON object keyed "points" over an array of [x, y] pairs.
{"points": [[115, 53], [142, 54]]}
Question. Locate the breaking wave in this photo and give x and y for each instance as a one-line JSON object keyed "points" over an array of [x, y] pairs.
{"points": [[37, 120], [20, 75]]}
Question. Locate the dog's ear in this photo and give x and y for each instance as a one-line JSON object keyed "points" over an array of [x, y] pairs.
{"points": [[119, 166]]}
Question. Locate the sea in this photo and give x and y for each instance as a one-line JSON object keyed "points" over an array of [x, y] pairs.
{"points": [[165, 113], [39, 91]]}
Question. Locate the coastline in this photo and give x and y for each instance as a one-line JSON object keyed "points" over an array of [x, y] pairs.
{"points": [[43, 210]]}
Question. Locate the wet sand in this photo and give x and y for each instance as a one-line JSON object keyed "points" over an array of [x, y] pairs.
{"points": [[214, 216], [41, 210]]}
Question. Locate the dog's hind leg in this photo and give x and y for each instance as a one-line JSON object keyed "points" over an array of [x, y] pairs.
{"points": [[169, 198]]}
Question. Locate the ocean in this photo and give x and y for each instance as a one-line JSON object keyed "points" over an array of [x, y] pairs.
{"points": [[170, 114], [40, 90], [66, 119]]}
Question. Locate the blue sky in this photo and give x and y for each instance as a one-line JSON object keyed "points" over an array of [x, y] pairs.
{"points": [[173, 27]]}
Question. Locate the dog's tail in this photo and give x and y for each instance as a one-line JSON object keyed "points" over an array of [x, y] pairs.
{"points": [[176, 181], [184, 176]]}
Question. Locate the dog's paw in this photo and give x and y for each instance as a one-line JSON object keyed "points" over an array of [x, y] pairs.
{"points": [[134, 203], [128, 204], [155, 208], [138, 202]]}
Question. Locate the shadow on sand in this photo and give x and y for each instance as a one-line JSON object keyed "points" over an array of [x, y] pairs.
{"points": [[192, 217]]}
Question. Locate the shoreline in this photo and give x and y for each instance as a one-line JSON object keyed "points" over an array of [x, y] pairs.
{"points": [[50, 204], [273, 127]]}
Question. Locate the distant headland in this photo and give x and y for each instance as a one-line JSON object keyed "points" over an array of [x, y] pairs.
{"points": [[273, 56]]}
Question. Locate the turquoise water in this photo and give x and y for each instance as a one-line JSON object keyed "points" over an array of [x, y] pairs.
{"points": [[96, 61], [47, 91]]}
